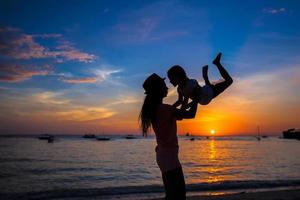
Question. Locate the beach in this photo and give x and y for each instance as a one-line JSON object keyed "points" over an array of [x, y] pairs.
{"points": [[293, 194]]}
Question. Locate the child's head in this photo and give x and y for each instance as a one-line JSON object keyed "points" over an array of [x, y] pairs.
{"points": [[176, 75]]}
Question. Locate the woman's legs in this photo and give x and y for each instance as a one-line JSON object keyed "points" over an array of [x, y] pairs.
{"points": [[174, 184], [220, 87]]}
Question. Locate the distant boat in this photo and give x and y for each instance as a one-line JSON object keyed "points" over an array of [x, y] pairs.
{"points": [[130, 137], [89, 136], [291, 134], [258, 134], [49, 138], [264, 136], [192, 139], [45, 136], [103, 138]]}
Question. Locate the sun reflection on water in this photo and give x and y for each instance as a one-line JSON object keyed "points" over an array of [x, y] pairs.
{"points": [[213, 168]]}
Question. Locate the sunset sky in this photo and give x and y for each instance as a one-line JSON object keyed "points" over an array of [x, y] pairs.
{"points": [[73, 67]]}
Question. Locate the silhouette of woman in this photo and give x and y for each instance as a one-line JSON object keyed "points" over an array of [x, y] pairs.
{"points": [[162, 118]]}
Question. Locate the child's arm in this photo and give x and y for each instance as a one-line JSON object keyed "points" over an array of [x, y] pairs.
{"points": [[179, 100]]}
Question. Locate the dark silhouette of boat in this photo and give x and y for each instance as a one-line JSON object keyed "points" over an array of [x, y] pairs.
{"points": [[89, 136], [49, 138], [103, 138], [130, 137], [45, 136], [291, 134], [258, 134]]}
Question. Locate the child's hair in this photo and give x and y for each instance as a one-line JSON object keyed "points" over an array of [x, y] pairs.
{"points": [[177, 70]]}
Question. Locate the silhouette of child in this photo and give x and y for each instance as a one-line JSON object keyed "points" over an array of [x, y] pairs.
{"points": [[190, 88]]}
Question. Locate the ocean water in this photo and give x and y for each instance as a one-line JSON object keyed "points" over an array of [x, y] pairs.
{"points": [[74, 167]]}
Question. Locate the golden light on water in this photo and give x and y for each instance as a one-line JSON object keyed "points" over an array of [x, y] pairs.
{"points": [[214, 169]]}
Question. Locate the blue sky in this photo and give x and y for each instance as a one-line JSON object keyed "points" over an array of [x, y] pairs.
{"points": [[75, 66]]}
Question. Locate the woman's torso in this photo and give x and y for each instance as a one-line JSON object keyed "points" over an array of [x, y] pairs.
{"points": [[165, 129]]}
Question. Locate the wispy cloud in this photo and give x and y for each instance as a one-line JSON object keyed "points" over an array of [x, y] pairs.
{"points": [[49, 35], [66, 51], [274, 10], [86, 114], [124, 100], [80, 80], [50, 98], [17, 73], [16, 44], [151, 23], [50, 105], [105, 74], [267, 51], [146, 30]]}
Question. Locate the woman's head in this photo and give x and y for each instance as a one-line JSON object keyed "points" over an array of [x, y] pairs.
{"points": [[176, 74], [155, 85], [155, 90]]}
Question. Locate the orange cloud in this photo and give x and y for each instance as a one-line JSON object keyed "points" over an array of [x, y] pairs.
{"points": [[81, 80]]}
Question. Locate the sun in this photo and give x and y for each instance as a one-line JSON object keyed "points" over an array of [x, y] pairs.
{"points": [[212, 132]]}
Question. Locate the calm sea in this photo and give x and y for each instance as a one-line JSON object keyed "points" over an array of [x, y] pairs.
{"points": [[74, 167]]}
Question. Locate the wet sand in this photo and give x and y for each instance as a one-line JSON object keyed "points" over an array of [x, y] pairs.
{"points": [[267, 195]]}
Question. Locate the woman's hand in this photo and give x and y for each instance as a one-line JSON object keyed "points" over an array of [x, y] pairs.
{"points": [[187, 114]]}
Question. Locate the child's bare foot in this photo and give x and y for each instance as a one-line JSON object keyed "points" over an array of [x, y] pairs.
{"points": [[217, 60]]}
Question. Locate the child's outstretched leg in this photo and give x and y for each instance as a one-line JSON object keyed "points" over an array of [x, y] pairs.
{"points": [[205, 74], [220, 87]]}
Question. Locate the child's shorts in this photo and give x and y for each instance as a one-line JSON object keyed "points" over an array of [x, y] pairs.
{"points": [[206, 95]]}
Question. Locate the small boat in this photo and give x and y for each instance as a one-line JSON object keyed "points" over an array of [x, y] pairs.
{"points": [[49, 138], [192, 139], [45, 137], [103, 138], [258, 133], [130, 137], [89, 136], [291, 134], [264, 136]]}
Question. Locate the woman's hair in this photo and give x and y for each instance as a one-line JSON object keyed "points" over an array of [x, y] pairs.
{"points": [[177, 70], [155, 88], [148, 112]]}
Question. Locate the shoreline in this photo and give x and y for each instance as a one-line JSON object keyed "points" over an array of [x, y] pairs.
{"points": [[285, 194]]}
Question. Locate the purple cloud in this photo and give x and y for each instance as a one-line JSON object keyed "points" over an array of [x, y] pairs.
{"points": [[153, 22], [15, 73], [16, 44], [146, 29]]}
